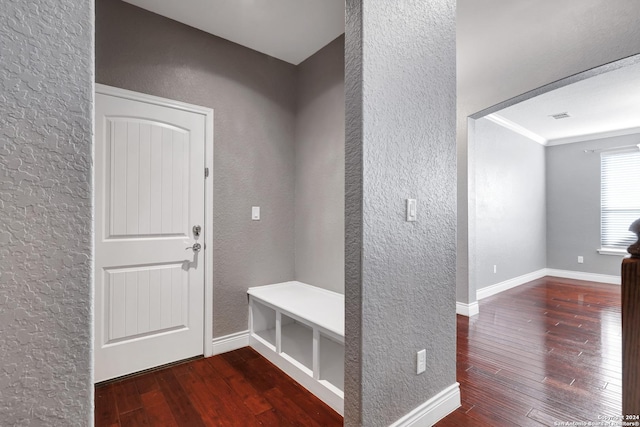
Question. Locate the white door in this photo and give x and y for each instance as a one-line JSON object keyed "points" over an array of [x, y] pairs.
{"points": [[149, 195]]}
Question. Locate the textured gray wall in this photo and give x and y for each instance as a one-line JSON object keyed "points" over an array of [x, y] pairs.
{"points": [[45, 213], [510, 224], [403, 141], [319, 197], [573, 206], [253, 97], [501, 46]]}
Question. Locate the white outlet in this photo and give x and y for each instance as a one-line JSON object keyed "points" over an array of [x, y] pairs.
{"points": [[421, 361], [580, 260], [255, 213], [495, 269]]}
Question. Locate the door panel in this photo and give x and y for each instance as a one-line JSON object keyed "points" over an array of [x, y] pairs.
{"points": [[149, 180], [145, 300], [151, 198]]}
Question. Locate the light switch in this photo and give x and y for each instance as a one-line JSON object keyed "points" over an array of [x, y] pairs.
{"points": [[421, 362], [412, 208], [255, 213]]}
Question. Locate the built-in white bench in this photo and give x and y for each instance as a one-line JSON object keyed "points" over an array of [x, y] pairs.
{"points": [[300, 329]]}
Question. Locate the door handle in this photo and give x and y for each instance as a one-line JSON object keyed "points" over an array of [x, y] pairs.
{"points": [[196, 247]]}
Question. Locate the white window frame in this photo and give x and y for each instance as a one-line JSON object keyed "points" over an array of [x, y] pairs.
{"points": [[619, 191]]}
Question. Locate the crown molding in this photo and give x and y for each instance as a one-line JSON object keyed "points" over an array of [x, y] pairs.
{"points": [[508, 124], [593, 136]]}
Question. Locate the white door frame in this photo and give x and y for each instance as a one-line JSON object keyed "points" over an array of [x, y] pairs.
{"points": [[208, 194]]}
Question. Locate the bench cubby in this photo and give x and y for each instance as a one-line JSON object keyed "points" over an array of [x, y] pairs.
{"points": [[300, 329]]}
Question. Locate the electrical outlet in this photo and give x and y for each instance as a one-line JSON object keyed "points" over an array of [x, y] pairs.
{"points": [[495, 269], [580, 260], [421, 362]]}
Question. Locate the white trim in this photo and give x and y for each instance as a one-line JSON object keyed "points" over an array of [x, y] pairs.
{"points": [[580, 275], [592, 136], [508, 124], [151, 99], [229, 342], [508, 284], [612, 251], [208, 238], [208, 183], [328, 395], [467, 309], [433, 410], [521, 280]]}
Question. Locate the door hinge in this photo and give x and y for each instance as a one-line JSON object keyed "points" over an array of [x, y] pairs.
{"points": [[206, 172]]}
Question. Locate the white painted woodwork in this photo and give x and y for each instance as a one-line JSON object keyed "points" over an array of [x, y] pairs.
{"points": [[300, 328], [149, 193], [230, 342], [318, 306], [331, 362], [433, 410], [297, 342]]}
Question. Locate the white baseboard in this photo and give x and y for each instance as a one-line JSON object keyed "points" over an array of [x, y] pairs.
{"points": [[520, 280], [511, 283], [230, 342], [294, 370], [467, 309], [433, 410], [580, 275]]}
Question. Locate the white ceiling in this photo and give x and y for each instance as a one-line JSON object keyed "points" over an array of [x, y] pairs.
{"points": [[290, 30], [601, 106]]}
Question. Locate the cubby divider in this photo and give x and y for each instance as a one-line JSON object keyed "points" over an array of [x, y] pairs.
{"points": [[300, 328]]}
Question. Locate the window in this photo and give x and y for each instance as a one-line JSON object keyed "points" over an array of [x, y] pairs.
{"points": [[620, 198]]}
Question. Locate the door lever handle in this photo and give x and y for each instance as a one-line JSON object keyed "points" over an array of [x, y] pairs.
{"points": [[196, 247]]}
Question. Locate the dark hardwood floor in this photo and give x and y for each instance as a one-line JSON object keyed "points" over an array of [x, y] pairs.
{"points": [[545, 352], [239, 388], [539, 354]]}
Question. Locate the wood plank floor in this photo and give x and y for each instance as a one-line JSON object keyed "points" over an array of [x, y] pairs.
{"points": [[239, 388], [545, 352], [539, 354]]}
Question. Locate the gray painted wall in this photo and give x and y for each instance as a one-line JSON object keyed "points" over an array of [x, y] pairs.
{"points": [[573, 206], [510, 198], [45, 213], [400, 144], [500, 46], [253, 97], [319, 179]]}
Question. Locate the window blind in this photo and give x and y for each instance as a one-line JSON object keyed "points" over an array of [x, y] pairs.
{"points": [[620, 197]]}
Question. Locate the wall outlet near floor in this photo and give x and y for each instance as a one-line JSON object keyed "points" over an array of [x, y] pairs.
{"points": [[495, 269], [580, 260], [255, 213], [421, 361]]}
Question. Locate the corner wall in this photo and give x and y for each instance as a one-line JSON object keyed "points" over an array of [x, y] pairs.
{"points": [[510, 198], [46, 225], [253, 97], [400, 83], [319, 177]]}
